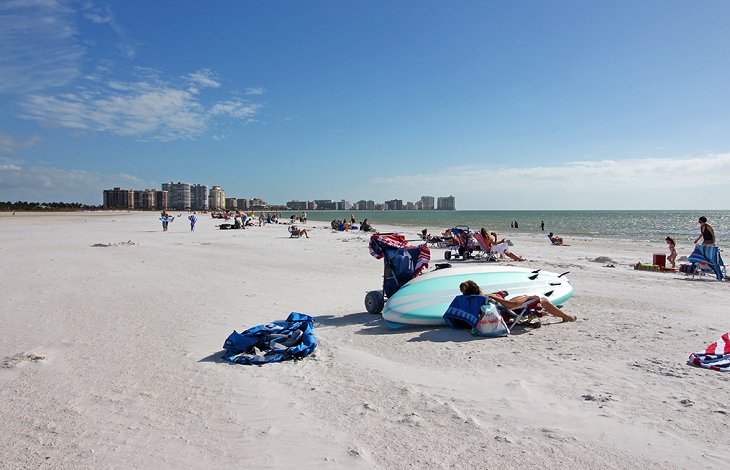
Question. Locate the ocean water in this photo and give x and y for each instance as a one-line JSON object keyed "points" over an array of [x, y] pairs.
{"points": [[650, 226]]}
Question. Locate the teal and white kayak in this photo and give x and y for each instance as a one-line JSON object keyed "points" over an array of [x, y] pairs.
{"points": [[423, 300]]}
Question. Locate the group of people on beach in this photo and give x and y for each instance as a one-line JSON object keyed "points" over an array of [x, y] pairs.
{"points": [[489, 242], [707, 235], [347, 225]]}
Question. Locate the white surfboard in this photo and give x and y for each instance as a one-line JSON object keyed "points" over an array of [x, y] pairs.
{"points": [[423, 300]]}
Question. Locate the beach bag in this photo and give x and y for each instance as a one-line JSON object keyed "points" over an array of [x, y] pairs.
{"points": [[687, 268], [490, 323]]}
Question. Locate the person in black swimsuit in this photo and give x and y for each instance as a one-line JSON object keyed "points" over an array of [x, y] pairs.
{"points": [[707, 233]]}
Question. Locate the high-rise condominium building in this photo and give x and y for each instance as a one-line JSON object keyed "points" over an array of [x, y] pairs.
{"points": [[217, 199], [394, 205], [199, 197], [161, 200], [118, 198], [231, 203], [145, 199], [447, 203], [297, 205], [178, 195], [427, 203]]}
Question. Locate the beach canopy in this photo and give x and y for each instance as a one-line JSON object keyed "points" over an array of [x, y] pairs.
{"points": [[709, 255]]}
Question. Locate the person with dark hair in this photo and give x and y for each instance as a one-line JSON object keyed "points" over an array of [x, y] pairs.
{"points": [[672, 251], [540, 303], [555, 240], [707, 233]]}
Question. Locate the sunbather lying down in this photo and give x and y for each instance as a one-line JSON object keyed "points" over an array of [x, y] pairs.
{"points": [[540, 303]]}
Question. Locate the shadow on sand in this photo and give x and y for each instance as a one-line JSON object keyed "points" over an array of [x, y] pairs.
{"points": [[216, 357]]}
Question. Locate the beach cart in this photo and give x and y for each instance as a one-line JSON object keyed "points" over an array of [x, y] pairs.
{"points": [[402, 262]]}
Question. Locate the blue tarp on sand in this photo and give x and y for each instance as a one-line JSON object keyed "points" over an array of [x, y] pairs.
{"points": [[274, 342]]}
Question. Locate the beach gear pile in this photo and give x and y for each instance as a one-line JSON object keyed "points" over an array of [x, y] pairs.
{"points": [[708, 256], [278, 341], [715, 357], [478, 313], [485, 317], [402, 259]]}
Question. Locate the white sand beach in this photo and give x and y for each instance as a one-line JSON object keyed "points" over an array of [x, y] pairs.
{"points": [[111, 357]]}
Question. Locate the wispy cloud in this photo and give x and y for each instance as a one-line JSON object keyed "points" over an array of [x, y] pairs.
{"points": [[255, 91], [637, 183], [40, 48], [48, 184], [147, 109], [102, 15], [10, 144], [204, 78]]}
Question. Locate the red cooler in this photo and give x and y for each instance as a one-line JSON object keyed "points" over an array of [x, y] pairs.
{"points": [[660, 259]]}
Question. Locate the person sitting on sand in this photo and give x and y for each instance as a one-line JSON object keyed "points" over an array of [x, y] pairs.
{"points": [[540, 303], [298, 232], [556, 240], [365, 226]]}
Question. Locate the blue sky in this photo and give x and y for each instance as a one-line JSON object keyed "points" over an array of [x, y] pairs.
{"points": [[505, 105]]}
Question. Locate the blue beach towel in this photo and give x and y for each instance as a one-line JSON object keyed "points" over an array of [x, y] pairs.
{"points": [[464, 311], [709, 255], [274, 342]]}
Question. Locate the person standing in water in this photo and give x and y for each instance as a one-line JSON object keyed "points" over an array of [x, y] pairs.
{"points": [[542, 225], [193, 220]]}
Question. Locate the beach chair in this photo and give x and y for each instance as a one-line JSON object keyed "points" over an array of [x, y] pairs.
{"points": [[485, 251], [554, 241], [707, 258], [464, 312], [432, 242]]}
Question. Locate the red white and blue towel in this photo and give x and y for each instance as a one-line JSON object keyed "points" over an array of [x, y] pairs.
{"points": [[379, 243], [715, 357]]}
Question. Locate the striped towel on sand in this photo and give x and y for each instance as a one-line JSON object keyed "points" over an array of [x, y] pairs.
{"points": [[715, 357]]}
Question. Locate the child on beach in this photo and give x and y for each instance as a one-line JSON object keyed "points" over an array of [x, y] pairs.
{"points": [[672, 251]]}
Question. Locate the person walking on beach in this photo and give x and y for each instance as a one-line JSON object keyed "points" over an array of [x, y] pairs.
{"points": [[193, 220], [707, 233], [672, 251], [166, 219]]}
